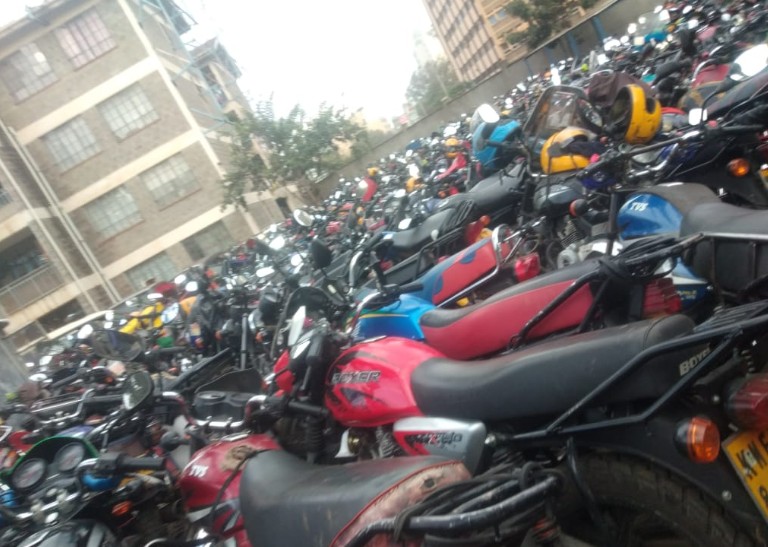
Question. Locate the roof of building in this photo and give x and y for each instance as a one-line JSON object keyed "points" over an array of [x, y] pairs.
{"points": [[214, 48]]}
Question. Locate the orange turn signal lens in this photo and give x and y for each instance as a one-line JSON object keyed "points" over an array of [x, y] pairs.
{"points": [[699, 439], [738, 167]]}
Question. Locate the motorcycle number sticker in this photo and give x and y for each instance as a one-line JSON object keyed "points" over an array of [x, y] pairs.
{"points": [[198, 470]]}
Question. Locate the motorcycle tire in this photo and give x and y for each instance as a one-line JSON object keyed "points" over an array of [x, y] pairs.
{"points": [[642, 503]]}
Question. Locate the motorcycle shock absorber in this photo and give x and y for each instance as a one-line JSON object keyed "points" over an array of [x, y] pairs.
{"points": [[314, 438]]}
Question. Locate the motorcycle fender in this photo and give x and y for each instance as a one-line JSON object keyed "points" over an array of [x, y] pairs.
{"points": [[654, 442], [77, 533]]}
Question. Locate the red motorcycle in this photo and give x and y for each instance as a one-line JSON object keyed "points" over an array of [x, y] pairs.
{"points": [[634, 411]]}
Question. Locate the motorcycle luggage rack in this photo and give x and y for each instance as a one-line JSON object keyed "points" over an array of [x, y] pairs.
{"points": [[484, 504], [726, 337]]}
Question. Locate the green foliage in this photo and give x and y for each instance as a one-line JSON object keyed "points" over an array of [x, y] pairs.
{"points": [[432, 84], [298, 148], [544, 18]]}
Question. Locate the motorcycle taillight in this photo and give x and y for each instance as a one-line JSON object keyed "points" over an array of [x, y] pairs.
{"points": [[747, 406], [661, 298]]}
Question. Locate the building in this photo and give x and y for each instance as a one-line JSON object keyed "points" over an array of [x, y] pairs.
{"points": [[475, 34], [465, 37], [111, 155]]}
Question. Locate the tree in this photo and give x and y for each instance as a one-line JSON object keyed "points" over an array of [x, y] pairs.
{"points": [[297, 148], [544, 18], [433, 83]]}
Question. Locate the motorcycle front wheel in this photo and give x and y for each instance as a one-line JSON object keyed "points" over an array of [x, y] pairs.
{"points": [[643, 505]]}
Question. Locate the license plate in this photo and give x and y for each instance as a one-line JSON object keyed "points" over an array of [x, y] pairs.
{"points": [[748, 453]]}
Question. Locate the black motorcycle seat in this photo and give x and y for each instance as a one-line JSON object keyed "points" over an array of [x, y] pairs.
{"points": [[738, 95], [548, 378], [736, 259], [287, 501], [414, 238], [723, 218], [489, 194]]}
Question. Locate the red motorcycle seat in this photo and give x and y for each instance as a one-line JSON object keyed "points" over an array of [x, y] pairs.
{"points": [[488, 327], [548, 378], [287, 501]]}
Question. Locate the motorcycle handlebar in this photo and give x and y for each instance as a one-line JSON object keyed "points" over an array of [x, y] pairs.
{"points": [[141, 464]]}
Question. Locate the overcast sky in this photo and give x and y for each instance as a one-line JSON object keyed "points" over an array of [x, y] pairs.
{"points": [[353, 53]]}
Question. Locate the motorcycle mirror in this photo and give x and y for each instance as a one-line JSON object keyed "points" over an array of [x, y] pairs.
{"points": [[338, 194], [266, 271], [277, 243], [697, 116], [297, 325], [631, 28], [399, 193], [624, 40], [434, 234], [180, 279], [449, 131], [362, 186], [687, 10], [84, 332], [45, 360], [611, 44], [191, 287], [488, 114], [664, 16], [693, 23], [38, 377], [321, 254], [296, 260], [408, 153], [29, 364], [404, 224], [138, 388], [302, 218], [725, 17]]}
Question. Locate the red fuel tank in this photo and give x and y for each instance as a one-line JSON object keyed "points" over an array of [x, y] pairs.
{"points": [[204, 476], [370, 383]]}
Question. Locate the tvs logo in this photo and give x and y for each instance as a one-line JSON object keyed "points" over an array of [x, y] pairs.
{"points": [[362, 377]]}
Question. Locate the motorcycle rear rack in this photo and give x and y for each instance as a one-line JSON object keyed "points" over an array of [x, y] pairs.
{"points": [[479, 508], [725, 335]]}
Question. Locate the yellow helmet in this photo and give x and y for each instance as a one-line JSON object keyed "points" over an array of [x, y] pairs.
{"points": [[373, 171], [555, 158], [634, 117], [452, 146]]}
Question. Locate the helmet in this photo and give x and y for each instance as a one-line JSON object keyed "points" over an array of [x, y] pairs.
{"points": [[373, 171], [555, 156], [634, 116], [452, 147]]}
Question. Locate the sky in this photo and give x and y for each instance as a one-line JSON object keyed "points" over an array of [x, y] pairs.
{"points": [[351, 53]]}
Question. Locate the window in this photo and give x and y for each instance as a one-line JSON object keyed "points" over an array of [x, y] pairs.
{"points": [[85, 38], [158, 268], [113, 212], [71, 143], [128, 111], [26, 72], [208, 241], [170, 181]]}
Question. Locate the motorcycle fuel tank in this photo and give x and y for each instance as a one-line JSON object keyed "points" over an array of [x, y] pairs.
{"points": [[554, 195], [203, 477], [370, 383]]}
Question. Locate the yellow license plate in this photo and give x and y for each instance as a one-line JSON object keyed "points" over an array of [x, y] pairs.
{"points": [[748, 453]]}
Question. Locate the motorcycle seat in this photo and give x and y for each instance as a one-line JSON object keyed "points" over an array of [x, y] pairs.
{"points": [[411, 240], [546, 379], [287, 501], [724, 218], [489, 194], [736, 259], [487, 327]]}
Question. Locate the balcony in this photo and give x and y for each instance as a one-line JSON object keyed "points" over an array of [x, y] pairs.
{"points": [[30, 288]]}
